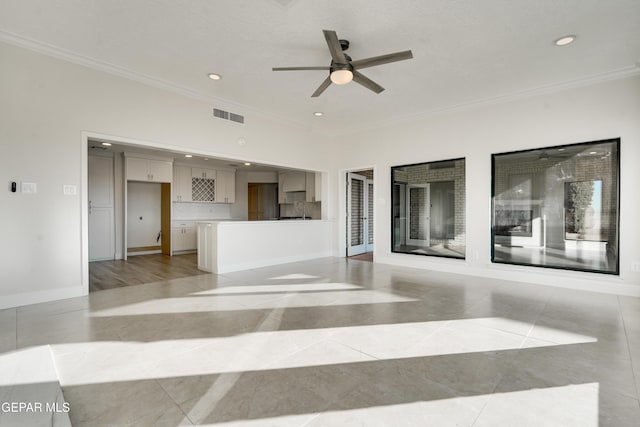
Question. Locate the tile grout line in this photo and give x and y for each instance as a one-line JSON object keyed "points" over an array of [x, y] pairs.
{"points": [[186, 416], [518, 350], [626, 336], [482, 410]]}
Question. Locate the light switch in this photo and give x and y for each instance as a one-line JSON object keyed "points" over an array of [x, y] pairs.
{"points": [[29, 187], [69, 190]]}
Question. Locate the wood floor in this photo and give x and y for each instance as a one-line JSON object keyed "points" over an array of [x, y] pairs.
{"points": [[367, 256], [141, 269]]}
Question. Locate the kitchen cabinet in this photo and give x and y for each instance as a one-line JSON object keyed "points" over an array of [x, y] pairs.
{"points": [[226, 187], [294, 181], [313, 187], [139, 169], [183, 237], [203, 173], [182, 184], [282, 197]]}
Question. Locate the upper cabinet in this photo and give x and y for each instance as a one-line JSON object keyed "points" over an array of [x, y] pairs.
{"points": [[182, 184], [140, 169], [203, 185], [226, 187], [313, 187], [293, 181], [203, 173]]}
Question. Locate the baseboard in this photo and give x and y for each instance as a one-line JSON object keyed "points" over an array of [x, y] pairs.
{"points": [[143, 249], [153, 252], [584, 281], [28, 298]]}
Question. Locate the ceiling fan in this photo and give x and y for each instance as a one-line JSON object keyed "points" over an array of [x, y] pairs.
{"points": [[343, 69]]}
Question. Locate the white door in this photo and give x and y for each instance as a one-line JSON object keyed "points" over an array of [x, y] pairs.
{"points": [[101, 216], [418, 214], [357, 211]]}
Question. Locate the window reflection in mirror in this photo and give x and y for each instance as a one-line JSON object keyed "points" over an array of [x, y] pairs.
{"points": [[428, 212], [558, 207]]}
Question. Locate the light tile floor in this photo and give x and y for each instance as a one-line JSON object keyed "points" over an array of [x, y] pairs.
{"points": [[336, 342]]}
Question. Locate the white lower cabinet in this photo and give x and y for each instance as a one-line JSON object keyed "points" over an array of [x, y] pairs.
{"points": [[184, 237]]}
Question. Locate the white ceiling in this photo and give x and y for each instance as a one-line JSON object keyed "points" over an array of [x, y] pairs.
{"points": [[465, 52]]}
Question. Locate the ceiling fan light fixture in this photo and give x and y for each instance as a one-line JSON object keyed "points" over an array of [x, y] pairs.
{"points": [[341, 77]]}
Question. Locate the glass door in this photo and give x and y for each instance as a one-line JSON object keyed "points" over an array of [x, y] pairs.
{"points": [[418, 213], [357, 224]]}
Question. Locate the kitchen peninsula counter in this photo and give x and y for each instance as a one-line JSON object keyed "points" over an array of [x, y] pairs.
{"points": [[227, 246]]}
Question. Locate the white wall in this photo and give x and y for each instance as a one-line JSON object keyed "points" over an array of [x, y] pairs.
{"points": [[600, 111], [49, 105], [143, 213], [45, 107]]}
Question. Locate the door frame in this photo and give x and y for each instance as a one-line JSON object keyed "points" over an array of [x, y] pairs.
{"points": [[369, 202], [362, 247], [342, 207]]}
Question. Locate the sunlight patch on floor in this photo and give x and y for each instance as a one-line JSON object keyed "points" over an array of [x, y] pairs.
{"points": [[197, 303], [272, 349], [571, 405]]}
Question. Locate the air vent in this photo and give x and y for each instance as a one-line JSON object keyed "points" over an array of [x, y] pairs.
{"points": [[226, 115], [236, 118]]}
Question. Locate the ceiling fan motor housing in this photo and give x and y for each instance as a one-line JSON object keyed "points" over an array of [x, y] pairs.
{"points": [[337, 66]]}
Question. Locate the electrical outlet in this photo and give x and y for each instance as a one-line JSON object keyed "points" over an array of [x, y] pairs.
{"points": [[635, 267], [29, 187], [69, 190]]}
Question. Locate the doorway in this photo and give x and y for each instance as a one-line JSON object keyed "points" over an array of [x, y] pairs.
{"points": [[359, 215]]}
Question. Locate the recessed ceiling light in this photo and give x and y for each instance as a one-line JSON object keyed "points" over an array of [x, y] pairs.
{"points": [[593, 152], [188, 155], [563, 41], [318, 113], [247, 164], [214, 76], [561, 149], [106, 144]]}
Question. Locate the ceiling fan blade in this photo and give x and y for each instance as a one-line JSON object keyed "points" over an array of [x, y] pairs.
{"points": [[366, 82], [299, 68], [334, 46], [323, 86], [382, 59]]}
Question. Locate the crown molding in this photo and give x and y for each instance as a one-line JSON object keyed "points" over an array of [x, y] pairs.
{"points": [[619, 74], [96, 64], [60, 53]]}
